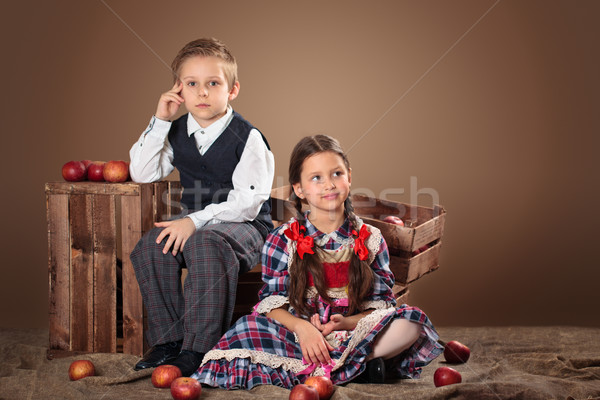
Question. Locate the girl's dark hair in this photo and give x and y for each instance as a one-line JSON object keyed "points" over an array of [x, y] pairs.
{"points": [[360, 275]]}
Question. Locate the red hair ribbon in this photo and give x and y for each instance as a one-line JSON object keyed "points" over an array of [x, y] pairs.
{"points": [[359, 242], [304, 244]]}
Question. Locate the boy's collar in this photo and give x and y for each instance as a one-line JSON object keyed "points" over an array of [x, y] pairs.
{"points": [[216, 127]]}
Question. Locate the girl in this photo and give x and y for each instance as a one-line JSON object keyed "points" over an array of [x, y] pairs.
{"points": [[327, 306]]}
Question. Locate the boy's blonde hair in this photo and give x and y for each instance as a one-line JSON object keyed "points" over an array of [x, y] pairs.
{"points": [[207, 47]]}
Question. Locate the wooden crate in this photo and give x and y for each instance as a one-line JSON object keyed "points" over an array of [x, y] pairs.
{"points": [[424, 227], [92, 228], [415, 247]]}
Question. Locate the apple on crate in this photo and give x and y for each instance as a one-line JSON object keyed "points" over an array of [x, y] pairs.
{"points": [[80, 369], [420, 250], [184, 388], [95, 171], [392, 219], [74, 171], [116, 171]]}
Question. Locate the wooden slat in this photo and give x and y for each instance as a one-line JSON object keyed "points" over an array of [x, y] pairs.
{"points": [[409, 268], [125, 188], [105, 274], [146, 205], [160, 201], [399, 267], [82, 273], [59, 258], [149, 200], [133, 318], [424, 263], [429, 231], [173, 199]]}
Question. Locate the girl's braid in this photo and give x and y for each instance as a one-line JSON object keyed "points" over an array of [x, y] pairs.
{"points": [[349, 209], [298, 206]]}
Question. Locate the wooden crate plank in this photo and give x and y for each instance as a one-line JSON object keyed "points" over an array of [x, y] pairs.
{"points": [[160, 201], [167, 199], [82, 273], [59, 322], [105, 274], [146, 205], [133, 318], [409, 268], [150, 201], [399, 267], [125, 188], [424, 263], [429, 231], [174, 198]]}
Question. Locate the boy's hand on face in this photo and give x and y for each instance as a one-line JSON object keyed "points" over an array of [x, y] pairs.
{"points": [[178, 231], [169, 102]]}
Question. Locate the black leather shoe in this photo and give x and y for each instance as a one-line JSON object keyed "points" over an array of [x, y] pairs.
{"points": [[159, 355], [187, 361], [373, 373]]}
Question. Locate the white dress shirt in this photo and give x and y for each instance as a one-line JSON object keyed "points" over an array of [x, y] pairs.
{"points": [[152, 160]]}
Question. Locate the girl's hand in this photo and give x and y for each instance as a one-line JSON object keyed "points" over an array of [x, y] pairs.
{"points": [[337, 322], [169, 102], [178, 231], [315, 348]]}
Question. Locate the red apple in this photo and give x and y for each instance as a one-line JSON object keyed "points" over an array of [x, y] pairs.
{"points": [[392, 219], [86, 163], [304, 392], [95, 171], [420, 250], [73, 171], [80, 369], [455, 352], [164, 375], [116, 171], [184, 388], [323, 385], [446, 376]]}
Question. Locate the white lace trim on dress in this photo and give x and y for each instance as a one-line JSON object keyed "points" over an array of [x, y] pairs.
{"points": [[256, 357], [270, 303]]}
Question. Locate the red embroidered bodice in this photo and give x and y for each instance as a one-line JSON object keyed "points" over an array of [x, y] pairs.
{"points": [[336, 274]]}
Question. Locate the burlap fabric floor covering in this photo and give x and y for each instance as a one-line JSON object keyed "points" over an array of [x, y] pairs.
{"points": [[506, 363]]}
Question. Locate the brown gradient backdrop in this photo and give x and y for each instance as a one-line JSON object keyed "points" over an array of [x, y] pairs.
{"points": [[494, 113]]}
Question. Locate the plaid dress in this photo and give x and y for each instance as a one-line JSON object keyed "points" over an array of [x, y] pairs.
{"points": [[258, 350]]}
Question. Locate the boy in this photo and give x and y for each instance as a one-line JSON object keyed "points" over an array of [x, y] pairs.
{"points": [[226, 169]]}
